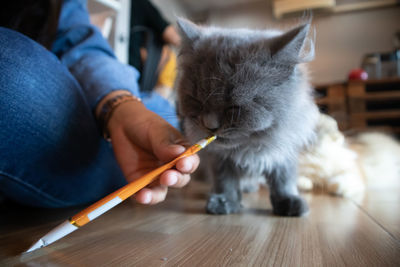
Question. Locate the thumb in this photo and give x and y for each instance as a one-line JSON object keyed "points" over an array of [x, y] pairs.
{"points": [[168, 143]]}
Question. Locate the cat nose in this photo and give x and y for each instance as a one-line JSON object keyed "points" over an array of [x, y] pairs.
{"points": [[210, 121]]}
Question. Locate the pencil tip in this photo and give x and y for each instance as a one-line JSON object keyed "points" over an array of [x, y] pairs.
{"points": [[204, 142], [211, 138], [37, 245]]}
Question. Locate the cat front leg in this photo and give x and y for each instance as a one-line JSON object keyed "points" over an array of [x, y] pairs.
{"points": [[226, 196], [284, 194]]}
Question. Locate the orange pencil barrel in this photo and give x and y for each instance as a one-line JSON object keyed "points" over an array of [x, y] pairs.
{"points": [[112, 200], [128, 190]]}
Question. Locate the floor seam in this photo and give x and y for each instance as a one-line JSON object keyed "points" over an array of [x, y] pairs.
{"points": [[397, 240]]}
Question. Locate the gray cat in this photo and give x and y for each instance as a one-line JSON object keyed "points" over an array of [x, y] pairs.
{"points": [[248, 88]]}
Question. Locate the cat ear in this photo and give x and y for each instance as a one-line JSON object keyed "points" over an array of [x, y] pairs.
{"points": [[294, 46], [188, 30]]}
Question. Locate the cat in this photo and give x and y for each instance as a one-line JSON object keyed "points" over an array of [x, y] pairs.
{"points": [[349, 165], [329, 165], [249, 88]]}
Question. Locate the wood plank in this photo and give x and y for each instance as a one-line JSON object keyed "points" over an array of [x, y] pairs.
{"points": [[388, 95], [361, 5], [282, 7], [178, 233], [326, 100], [377, 81], [383, 204], [383, 80], [385, 114]]}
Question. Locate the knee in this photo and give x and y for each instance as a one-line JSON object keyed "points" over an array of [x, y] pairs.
{"points": [[30, 75], [18, 47], [36, 89], [21, 58]]}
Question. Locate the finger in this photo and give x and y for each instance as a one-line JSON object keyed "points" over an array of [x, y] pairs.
{"points": [[168, 143], [152, 195], [169, 178], [188, 164], [158, 194], [174, 178], [144, 196], [184, 180]]}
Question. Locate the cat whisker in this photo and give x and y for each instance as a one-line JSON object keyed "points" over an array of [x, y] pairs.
{"points": [[229, 131], [212, 78], [212, 93]]}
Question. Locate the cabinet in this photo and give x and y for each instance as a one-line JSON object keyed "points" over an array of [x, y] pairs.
{"points": [[362, 105], [331, 99], [374, 104]]}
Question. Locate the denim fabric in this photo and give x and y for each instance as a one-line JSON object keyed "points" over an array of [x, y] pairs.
{"points": [[161, 106], [51, 152], [81, 47]]}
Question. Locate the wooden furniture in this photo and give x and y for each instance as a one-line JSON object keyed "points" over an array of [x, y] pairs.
{"points": [[285, 7], [331, 99], [178, 232], [362, 105], [374, 104], [282, 7]]}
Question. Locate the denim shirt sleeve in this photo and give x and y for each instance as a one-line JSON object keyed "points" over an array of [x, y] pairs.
{"points": [[81, 47]]}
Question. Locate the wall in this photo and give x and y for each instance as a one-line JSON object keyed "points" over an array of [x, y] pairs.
{"points": [[341, 39], [170, 9]]}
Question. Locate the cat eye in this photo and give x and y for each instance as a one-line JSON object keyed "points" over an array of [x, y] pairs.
{"points": [[258, 100], [191, 106], [232, 108], [192, 101], [232, 112]]}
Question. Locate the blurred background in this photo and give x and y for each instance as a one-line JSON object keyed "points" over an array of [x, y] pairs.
{"points": [[346, 30], [356, 69]]}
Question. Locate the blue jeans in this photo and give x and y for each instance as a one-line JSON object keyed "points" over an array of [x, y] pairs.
{"points": [[51, 151]]}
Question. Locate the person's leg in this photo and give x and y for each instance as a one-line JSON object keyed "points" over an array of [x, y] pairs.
{"points": [[51, 153]]}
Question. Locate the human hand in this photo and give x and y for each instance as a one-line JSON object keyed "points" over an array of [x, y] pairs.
{"points": [[142, 141]]}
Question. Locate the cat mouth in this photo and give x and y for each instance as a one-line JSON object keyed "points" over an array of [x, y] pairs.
{"points": [[228, 140], [223, 140], [236, 139]]}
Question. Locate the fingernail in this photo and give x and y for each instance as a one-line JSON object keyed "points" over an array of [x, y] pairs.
{"points": [[173, 179], [179, 149], [179, 141], [147, 198], [187, 166]]}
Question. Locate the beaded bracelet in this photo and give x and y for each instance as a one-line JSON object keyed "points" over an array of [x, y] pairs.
{"points": [[108, 109]]}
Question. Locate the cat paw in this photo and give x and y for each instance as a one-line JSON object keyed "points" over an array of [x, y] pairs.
{"points": [[220, 204], [290, 206]]}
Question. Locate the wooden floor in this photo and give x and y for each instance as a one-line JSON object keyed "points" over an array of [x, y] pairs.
{"points": [[337, 232]]}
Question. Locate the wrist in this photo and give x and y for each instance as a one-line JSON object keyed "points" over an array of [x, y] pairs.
{"points": [[107, 107], [109, 96]]}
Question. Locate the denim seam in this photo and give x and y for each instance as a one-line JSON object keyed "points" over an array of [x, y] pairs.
{"points": [[33, 188]]}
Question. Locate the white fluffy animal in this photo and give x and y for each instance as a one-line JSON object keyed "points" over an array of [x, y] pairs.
{"points": [[346, 166]]}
